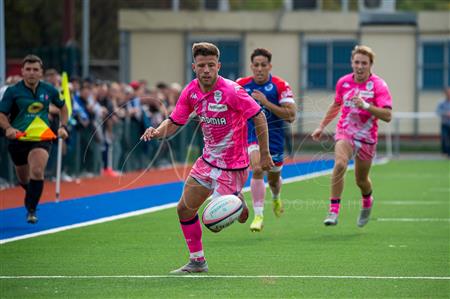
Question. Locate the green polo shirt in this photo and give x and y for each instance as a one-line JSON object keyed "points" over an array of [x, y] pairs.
{"points": [[28, 111]]}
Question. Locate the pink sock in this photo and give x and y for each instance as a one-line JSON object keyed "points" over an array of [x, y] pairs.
{"points": [[335, 204], [258, 190], [192, 231], [367, 200]]}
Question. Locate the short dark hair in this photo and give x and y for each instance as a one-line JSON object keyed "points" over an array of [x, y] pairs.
{"points": [[261, 52], [161, 85], [205, 49], [30, 58]]}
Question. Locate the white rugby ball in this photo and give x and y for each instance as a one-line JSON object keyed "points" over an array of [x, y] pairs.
{"points": [[221, 212]]}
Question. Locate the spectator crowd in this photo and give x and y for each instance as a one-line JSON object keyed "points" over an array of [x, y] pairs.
{"points": [[106, 122]]}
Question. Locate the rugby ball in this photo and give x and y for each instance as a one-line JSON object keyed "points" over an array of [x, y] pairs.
{"points": [[221, 212]]}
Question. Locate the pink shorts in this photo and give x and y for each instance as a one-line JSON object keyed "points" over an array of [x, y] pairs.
{"points": [[221, 182], [362, 150]]}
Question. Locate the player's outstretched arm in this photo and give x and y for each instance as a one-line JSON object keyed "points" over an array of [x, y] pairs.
{"points": [[332, 111], [165, 129], [263, 141]]}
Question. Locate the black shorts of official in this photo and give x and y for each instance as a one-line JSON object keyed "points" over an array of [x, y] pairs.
{"points": [[19, 150]]}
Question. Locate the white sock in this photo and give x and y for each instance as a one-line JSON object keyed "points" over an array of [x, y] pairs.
{"points": [[259, 211]]}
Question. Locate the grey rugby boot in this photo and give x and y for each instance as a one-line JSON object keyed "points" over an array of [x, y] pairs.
{"points": [[192, 267], [364, 216], [331, 219]]}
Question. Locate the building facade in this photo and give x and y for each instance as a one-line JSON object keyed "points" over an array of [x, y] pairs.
{"points": [[311, 49]]}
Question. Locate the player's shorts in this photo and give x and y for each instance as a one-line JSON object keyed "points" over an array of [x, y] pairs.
{"points": [[19, 150], [363, 151], [277, 158], [221, 182]]}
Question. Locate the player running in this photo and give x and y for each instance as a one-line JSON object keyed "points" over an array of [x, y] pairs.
{"points": [[363, 98], [223, 108], [275, 97]]}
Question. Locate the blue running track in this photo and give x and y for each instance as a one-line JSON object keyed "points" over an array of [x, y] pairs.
{"points": [[72, 212]]}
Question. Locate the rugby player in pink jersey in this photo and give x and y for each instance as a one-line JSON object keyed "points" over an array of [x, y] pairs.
{"points": [[362, 98], [223, 108]]}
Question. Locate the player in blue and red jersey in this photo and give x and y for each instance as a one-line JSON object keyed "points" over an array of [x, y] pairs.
{"points": [[277, 101]]}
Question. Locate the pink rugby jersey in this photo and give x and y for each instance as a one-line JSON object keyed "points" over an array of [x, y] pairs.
{"points": [[223, 113], [358, 123]]}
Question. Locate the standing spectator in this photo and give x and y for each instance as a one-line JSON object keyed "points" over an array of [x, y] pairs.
{"points": [[11, 80], [174, 93], [223, 108], [24, 117], [118, 101], [443, 110], [276, 99], [107, 121], [85, 112], [363, 98]]}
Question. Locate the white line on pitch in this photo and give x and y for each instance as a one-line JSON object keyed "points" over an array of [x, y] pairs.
{"points": [[100, 220], [414, 219], [228, 277], [411, 202]]}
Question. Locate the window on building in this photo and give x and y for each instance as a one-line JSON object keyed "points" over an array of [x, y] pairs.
{"points": [[326, 62], [435, 65], [304, 4]]}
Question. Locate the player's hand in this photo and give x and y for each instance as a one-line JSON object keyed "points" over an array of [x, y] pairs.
{"points": [[360, 103], [260, 97], [317, 134], [149, 134], [62, 133], [266, 162], [12, 133], [357, 101]]}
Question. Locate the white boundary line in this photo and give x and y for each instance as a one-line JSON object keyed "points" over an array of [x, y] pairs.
{"points": [[228, 277], [162, 207], [413, 219], [87, 223]]}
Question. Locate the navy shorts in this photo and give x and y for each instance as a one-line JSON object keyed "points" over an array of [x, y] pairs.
{"points": [[19, 150]]}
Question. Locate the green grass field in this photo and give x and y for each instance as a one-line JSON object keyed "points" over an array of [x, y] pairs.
{"points": [[295, 256]]}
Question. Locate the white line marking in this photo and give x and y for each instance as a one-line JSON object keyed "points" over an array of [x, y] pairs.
{"points": [[163, 207], [227, 277], [82, 224], [411, 202], [446, 190], [414, 219]]}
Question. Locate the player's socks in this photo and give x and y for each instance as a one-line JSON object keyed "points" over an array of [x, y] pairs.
{"points": [[258, 190], [33, 194], [192, 231], [332, 217], [364, 215], [276, 196], [335, 204], [277, 204], [367, 200]]}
